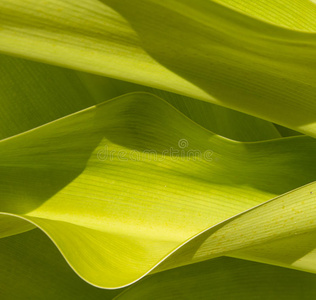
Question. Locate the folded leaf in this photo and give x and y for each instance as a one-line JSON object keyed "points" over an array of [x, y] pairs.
{"points": [[202, 49], [33, 94], [32, 268], [280, 231], [119, 186], [224, 278], [220, 120]]}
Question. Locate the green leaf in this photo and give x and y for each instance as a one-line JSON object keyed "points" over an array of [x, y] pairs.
{"points": [[220, 120], [32, 268], [117, 189], [260, 65], [286, 131], [280, 232], [297, 15], [224, 278], [33, 94]]}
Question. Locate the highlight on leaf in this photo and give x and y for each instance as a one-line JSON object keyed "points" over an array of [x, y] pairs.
{"points": [[157, 149]]}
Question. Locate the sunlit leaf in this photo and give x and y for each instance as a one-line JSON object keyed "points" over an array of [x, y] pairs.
{"points": [[117, 188], [202, 49]]}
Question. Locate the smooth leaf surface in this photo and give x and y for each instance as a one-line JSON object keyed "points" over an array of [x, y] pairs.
{"points": [[225, 53], [116, 186], [32, 268], [224, 278], [33, 94], [132, 187], [220, 120], [299, 15], [280, 232]]}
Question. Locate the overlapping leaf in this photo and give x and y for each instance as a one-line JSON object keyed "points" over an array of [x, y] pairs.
{"points": [[131, 186], [32, 268], [220, 120], [202, 49], [224, 278], [37, 272], [117, 190]]}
